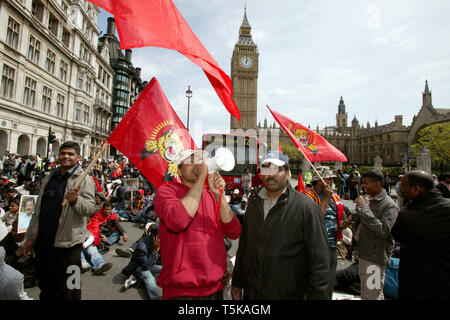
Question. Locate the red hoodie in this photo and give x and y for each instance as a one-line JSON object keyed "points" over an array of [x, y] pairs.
{"points": [[192, 249]]}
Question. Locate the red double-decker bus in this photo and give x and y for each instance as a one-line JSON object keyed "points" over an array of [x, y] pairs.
{"points": [[245, 150]]}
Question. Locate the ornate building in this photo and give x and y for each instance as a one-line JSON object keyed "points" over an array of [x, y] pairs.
{"points": [[53, 75], [127, 82], [427, 115], [244, 78]]}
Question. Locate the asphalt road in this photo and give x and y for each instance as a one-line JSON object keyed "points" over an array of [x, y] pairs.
{"points": [[108, 286]]}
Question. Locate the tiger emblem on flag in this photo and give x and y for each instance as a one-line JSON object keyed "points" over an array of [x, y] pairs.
{"points": [[306, 139], [165, 142]]}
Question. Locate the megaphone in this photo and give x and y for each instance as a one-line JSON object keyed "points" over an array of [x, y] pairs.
{"points": [[222, 161]]}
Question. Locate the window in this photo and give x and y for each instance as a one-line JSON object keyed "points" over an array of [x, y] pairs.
{"points": [[29, 92], [63, 71], [50, 62], [65, 38], [64, 7], [60, 105], [77, 111], [53, 25], [80, 80], [8, 77], [88, 84], [86, 115], [46, 99], [12, 34], [34, 50], [37, 10]]}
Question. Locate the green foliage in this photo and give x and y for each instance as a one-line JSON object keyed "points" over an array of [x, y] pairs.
{"points": [[291, 152], [437, 140]]}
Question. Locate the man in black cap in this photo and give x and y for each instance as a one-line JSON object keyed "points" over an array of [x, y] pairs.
{"points": [[283, 249]]}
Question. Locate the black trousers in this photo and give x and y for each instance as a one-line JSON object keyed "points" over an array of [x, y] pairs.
{"points": [[58, 271]]}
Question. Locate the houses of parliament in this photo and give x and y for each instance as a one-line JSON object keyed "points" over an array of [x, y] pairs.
{"points": [[360, 143]]}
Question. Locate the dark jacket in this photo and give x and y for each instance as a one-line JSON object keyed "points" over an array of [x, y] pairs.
{"points": [[443, 189], [423, 229], [285, 256], [143, 256], [118, 200]]}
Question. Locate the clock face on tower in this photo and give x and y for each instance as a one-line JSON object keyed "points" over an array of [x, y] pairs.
{"points": [[246, 62]]}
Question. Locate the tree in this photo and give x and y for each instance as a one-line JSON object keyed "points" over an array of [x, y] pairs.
{"points": [[437, 140]]}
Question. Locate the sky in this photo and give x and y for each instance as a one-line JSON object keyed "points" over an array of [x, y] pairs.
{"points": [[375, 54]]}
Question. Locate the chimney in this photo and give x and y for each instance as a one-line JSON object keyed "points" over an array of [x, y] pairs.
{"points": [[399, 120], [128, 54], [138, 72], [111, 26]]}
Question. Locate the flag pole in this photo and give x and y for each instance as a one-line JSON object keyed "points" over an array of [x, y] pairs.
{"points": [[304, 155], [85, 173]]}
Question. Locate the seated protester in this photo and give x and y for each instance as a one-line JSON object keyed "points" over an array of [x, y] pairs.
{"points": [[240, 209], [118, 200], [90, 252], [348, 281], [105, 226], [235, 198], [140, 207], [11, 194], [142, 264], [13, 257], [100, 199], [11, 280], [12, 215]]}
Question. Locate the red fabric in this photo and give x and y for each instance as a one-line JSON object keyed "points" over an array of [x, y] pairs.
{"points": [[194, 258], [158, 23], [119, 171], [151, 135], [97, 220], [97, 185], [314, 146], [280, 148], [301, 184]]}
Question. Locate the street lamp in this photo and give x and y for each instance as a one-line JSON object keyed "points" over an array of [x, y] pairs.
{"points": [[189, 96]]}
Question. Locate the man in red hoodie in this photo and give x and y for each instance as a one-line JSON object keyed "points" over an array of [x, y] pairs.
{"points": [[191, 231]]}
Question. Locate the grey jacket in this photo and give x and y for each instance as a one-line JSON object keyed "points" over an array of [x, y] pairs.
{"points": [[375, 242], [72, 221]]}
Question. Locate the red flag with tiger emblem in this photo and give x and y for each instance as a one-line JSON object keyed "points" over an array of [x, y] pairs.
{"points": [[314, 146], [119, 170], [151, 136]]}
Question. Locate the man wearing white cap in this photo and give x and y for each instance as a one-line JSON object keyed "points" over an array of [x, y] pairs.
{"points": [[283, 251], [191, 231]]}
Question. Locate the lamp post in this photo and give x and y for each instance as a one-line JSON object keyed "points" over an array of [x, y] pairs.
{"points": [[189, 96]]}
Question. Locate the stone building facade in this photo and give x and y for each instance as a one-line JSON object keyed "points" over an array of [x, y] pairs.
{"points": [[53, 75], [127, 82]]}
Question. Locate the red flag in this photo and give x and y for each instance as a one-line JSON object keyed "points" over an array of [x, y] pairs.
{"points": [[280, 148], [301, 184], [151, 135], [97, 185], [160, 24], [119, 171], [314, 146]]}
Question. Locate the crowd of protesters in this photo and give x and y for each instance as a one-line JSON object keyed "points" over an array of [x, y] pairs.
{"points": [[289, 241]]}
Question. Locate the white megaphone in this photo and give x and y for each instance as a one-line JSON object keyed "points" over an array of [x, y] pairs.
{"points": [[223, 160]]}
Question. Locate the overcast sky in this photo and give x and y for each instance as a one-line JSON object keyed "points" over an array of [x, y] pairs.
{"points": [[375, 54]]}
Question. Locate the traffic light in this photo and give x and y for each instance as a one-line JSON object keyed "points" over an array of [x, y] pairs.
{"points": [[51, 137]]}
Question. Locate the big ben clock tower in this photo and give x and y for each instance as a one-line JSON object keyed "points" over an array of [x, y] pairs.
{"points": [[244, 78]]}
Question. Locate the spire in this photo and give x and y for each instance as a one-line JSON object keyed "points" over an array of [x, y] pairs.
{"points": [[426, 96], [341, 107], [245, 31], [245, 23]]}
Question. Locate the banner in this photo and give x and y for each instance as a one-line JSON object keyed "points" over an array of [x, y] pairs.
{"points": [[151, 136], [313, 145]]}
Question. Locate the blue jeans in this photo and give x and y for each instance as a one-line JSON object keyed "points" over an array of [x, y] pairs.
{"points": [[122, 213], [94, 255], [149, 277], [112, 236]]}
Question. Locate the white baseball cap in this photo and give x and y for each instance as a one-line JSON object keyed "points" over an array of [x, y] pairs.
{"points": [[187, 153], [118, 181]]}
